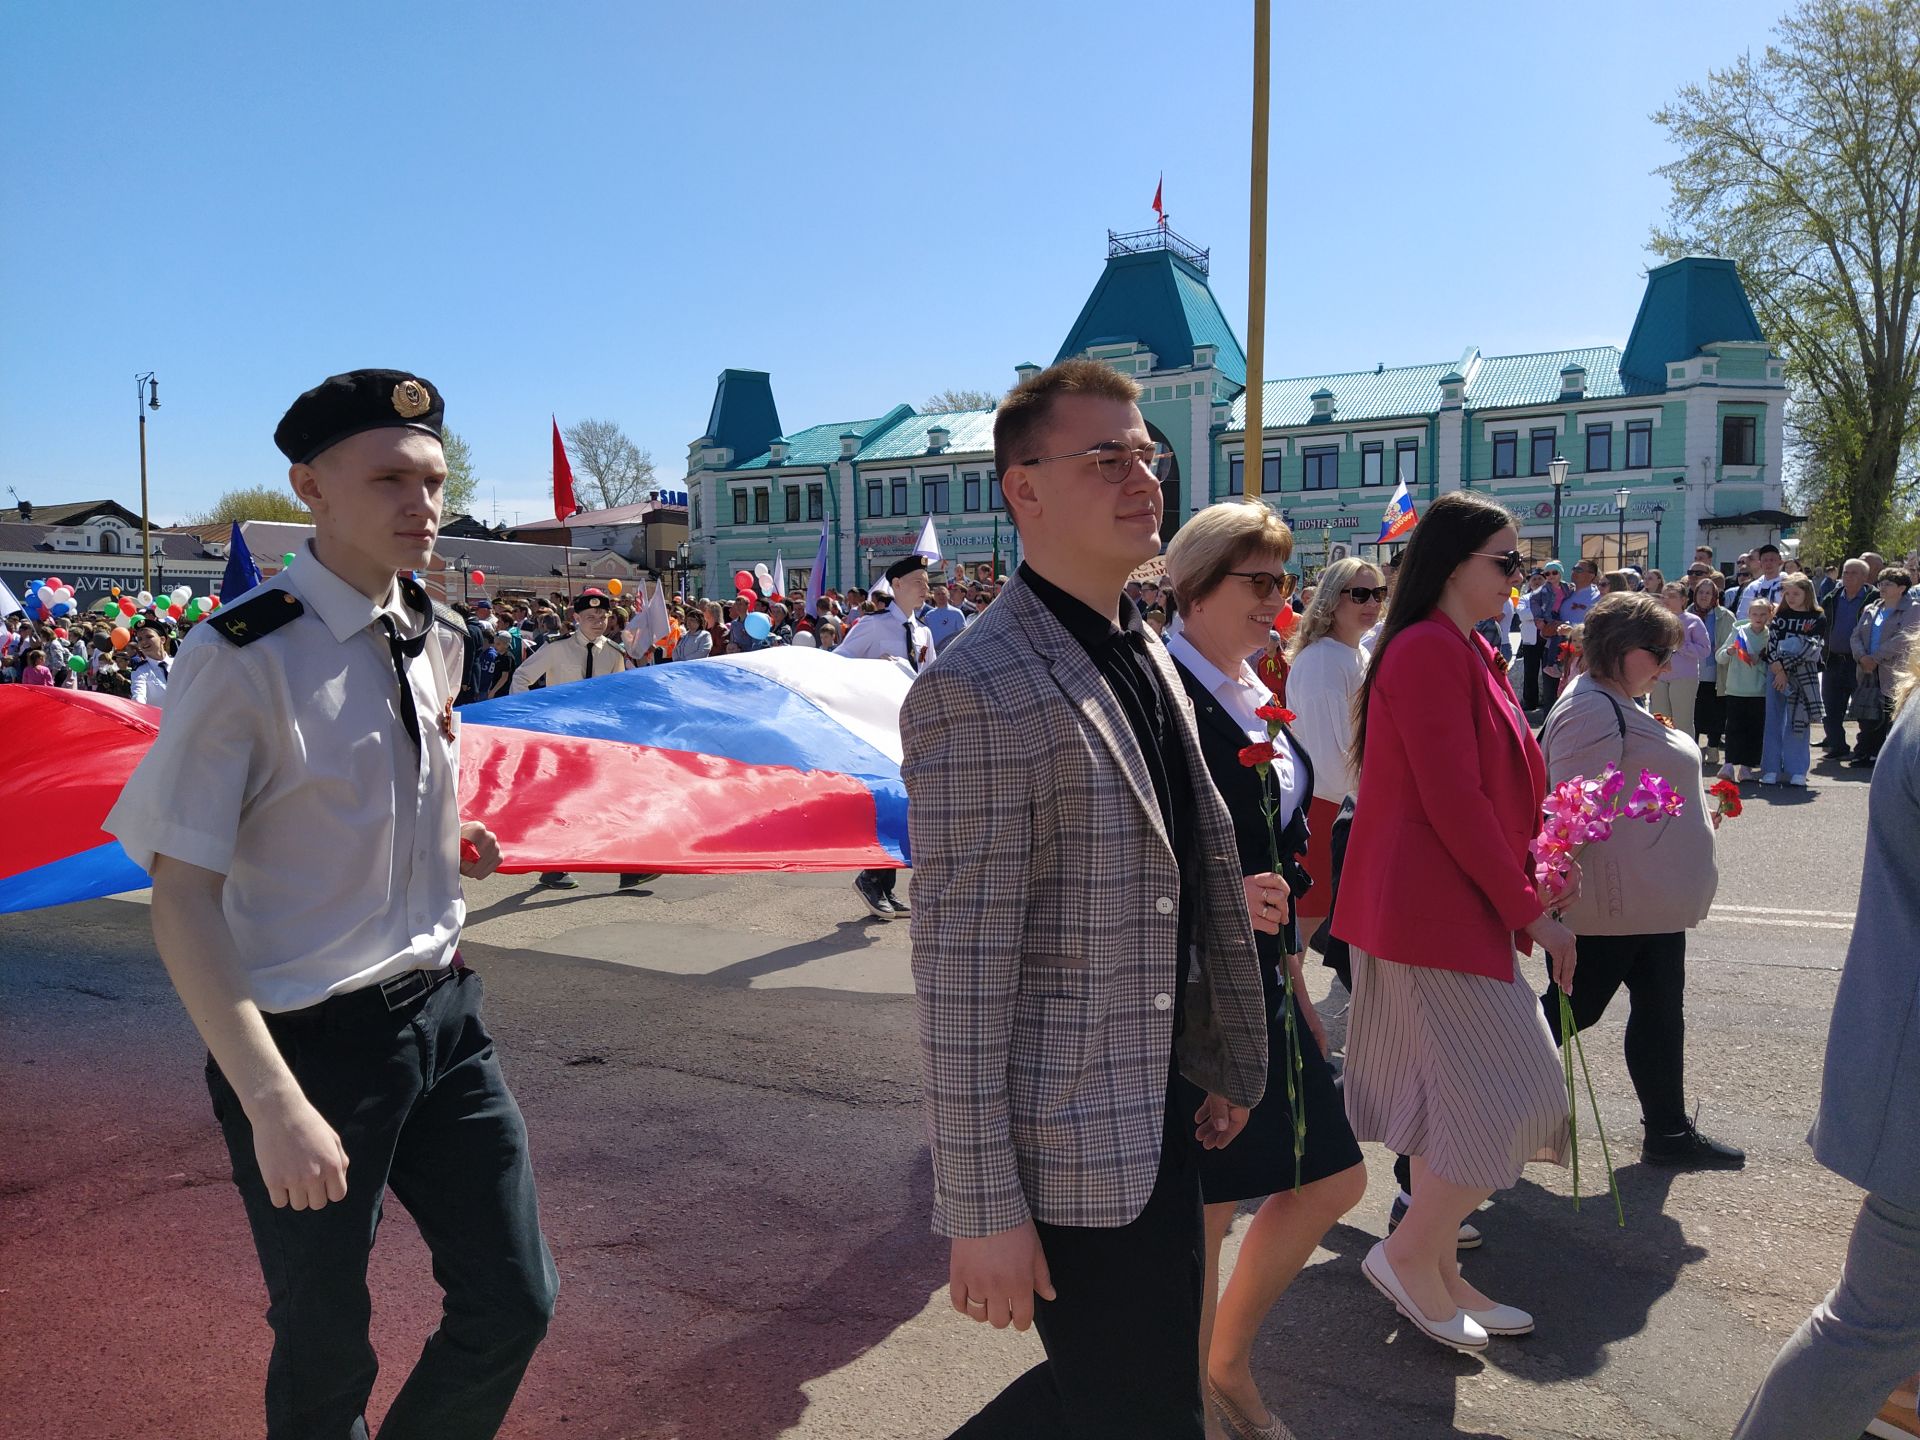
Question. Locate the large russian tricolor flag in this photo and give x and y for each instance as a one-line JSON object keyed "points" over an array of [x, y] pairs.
{"points": [[782, 759]]}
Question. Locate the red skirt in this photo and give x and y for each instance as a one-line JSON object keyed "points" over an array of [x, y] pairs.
{"points": [[1312, 907]]}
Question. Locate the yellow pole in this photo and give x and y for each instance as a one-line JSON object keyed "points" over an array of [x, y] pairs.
{"points": [[1254, 449]]}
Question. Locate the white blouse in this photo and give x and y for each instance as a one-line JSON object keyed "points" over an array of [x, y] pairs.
{"points": [[1320, 690], [1243, 694]]}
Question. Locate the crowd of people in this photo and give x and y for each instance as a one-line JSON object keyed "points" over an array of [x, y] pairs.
{"points": [[1134, 806]]}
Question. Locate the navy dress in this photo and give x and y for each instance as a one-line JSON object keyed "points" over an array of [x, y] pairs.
{"points": [[1259, 1162]]}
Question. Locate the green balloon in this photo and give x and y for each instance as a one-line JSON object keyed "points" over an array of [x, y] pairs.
{"points": [[193, 609], [287, 559], [76, 663]]}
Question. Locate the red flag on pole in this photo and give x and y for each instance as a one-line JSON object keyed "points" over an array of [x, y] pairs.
{"points": [[1157, 208], [563, 502]]}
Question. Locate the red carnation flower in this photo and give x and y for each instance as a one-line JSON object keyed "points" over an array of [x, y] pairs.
{"points": [[1275, 713], [1260, 754]]}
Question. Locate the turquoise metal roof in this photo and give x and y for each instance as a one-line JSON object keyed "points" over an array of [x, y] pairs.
{"points": [[744, 418], [968, 432], [1689, 303], [820, 444], [1160, 301], [1413, 391]]}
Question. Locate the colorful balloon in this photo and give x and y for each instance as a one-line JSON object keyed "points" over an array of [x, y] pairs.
{"points": [[127, 607], [743, 580], [758, 625], [479, 577], [77, 664], [614, 586], [120, 636], [53, 582], [287, 559]]}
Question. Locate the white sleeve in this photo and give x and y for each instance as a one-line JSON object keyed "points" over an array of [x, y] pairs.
{"points": [[139, 686], [533, 668], [854, 647]]}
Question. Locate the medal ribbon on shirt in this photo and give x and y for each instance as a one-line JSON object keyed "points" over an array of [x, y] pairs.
{"points": [[913, 659]]}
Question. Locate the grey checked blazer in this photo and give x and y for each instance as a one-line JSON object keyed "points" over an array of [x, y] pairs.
{"points": [[1045, 917]]}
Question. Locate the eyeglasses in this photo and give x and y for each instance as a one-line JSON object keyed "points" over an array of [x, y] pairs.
{"points": [[1660, 653], [1265, 582], [1360, 594], [1113, 460], [1511, 562]]}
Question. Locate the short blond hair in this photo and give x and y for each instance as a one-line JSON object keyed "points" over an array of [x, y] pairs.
{"points": [[1219, 539]]}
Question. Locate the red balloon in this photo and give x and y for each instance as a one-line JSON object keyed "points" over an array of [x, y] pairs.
{"points": [[1284, 619], [126, 606], [743, 580], [213, 602], [53, 583], [59, 634], [479, 577], [173, 612]]}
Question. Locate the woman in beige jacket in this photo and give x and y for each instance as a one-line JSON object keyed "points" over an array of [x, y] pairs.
{"points": [[1648, 884]]}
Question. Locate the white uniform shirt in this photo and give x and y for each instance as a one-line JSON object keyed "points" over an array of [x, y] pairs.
{"points": [[1241, 695], [150, 683], [1759, 589], [285, 765], [559, 662], [885, 637]]}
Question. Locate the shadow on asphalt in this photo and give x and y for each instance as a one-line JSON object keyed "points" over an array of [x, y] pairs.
{"points": [[754, 1379], [848, 936]]}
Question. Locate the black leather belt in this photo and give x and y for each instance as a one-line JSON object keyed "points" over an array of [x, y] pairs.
{"points": [[404, 990]]}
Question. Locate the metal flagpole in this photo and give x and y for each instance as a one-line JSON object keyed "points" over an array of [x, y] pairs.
{"points": [[1253, 461]]}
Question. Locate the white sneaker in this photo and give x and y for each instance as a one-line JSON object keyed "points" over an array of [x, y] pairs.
{"points": [[1772, 777]]}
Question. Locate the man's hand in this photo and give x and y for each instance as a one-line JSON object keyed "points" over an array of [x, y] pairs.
{"points": [[1869, 664], [1269, 902], [1217, 1121], [479, 851], [301, 1160], [995, 1277]]}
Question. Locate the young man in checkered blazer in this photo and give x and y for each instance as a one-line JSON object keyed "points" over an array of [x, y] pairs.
{"points": [[1080, 934]]}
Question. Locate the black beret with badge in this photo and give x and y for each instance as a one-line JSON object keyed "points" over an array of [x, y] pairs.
{"points": [[910, 565], [592, 600], [352, 404]]}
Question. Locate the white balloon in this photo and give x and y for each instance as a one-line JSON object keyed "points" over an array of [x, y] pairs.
{"points": [[145, 598], [46, 595], [182, 594]]}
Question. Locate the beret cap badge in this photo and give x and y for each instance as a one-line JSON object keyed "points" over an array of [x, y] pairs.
{"points": [[411, 400]]}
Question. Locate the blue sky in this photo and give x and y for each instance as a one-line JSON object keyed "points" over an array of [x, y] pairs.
{"points": [[592, 209]]}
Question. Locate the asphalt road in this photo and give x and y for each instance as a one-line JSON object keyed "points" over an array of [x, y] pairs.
{"points": [[720, 1080]]}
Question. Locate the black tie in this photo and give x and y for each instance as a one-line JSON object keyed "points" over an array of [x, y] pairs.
{"points": [[912, 659], [589, 674], [403, 651]]}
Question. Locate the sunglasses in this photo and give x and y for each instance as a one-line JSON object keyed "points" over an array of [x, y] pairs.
{"points": [[1661, 653], [1264, 582], [1113, 460], [1511, 563], [1360, 594]]}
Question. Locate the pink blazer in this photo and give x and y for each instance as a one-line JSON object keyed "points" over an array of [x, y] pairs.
{"points": [[1437, 871]]}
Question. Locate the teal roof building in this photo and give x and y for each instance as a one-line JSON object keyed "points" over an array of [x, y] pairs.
{"points": [[1672, 441]]}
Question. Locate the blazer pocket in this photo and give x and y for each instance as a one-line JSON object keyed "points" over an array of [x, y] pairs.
{"points": [[1047, 1056]]}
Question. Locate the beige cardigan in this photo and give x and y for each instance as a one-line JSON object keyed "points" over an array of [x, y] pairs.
{"points": [[1648, 879]]}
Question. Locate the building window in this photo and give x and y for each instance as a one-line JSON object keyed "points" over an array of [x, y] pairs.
{"points": [[1604, 550], [1506, 454], [739, 507], [793, 504], [1599, 447], [994, 502], [1407, 462], [816, 502], [899, 497], [970, 490], [876, 499], [1236, 475], [1322, 469], [933, 497], [1373, 465], [1545, 442], [762, 507], [1737, 437], [1639, 444], [696, 510], [1270, 474]]}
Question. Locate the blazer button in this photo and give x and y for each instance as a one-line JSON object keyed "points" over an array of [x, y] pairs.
{"points": [[1164, 905], [1163, 1001]]}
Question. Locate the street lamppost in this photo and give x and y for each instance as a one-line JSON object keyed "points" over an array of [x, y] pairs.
{"points": [[681, 553], [146, 396], [461, 561], [1659, 518], [1557, 474], [1620, 498]]}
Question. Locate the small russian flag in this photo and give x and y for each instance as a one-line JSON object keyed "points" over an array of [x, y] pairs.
{"points": [[1740, 646], [1399, 518]]}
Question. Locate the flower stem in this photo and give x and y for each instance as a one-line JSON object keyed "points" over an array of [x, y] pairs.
{"points": [[1569, 1037], [1613, 1183]]}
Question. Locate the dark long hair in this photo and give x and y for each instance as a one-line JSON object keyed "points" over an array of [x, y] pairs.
{"points": [[1455, 525]]}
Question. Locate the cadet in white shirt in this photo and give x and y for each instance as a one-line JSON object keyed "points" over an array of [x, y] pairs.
{"points": [[299, 815], [580, 656], [893, 634], [149, 682]]}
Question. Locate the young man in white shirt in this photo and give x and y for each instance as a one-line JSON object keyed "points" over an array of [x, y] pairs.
{"points": [[299, 815]]}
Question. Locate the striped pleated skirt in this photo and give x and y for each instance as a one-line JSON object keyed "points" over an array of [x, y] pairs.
{"points": [[1459, 1069]]}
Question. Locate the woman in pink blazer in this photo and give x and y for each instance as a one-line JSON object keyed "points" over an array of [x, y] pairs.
{"points": [[1449, 1058]]}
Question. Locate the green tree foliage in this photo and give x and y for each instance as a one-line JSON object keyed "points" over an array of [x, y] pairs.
{"points": [[457, 499], [1803, 166], [254, 502]]}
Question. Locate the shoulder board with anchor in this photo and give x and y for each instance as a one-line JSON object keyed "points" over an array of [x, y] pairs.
{"points": [[265, 613]]}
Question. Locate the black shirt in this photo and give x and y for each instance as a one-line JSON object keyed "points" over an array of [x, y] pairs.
{"points": [[1119, 653]]}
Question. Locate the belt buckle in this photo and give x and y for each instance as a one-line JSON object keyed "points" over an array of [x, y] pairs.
{"points": [[403, 990]]}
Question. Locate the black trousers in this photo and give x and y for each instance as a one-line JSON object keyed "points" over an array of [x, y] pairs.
{"points": [[1123, 1338], [883, 878], [1874, 730], [1654, 970], [1710, 714], [1837, 684], [418, 1100], [1530, 657], [1746, 717]]}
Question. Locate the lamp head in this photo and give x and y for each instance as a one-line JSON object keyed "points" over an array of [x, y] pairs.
{"points": [[1620, 498], [1557, 471], [153, 393]]}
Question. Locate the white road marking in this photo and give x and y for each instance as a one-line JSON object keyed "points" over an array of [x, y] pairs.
{"points": [[1774, 910], [1777, 920]]}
